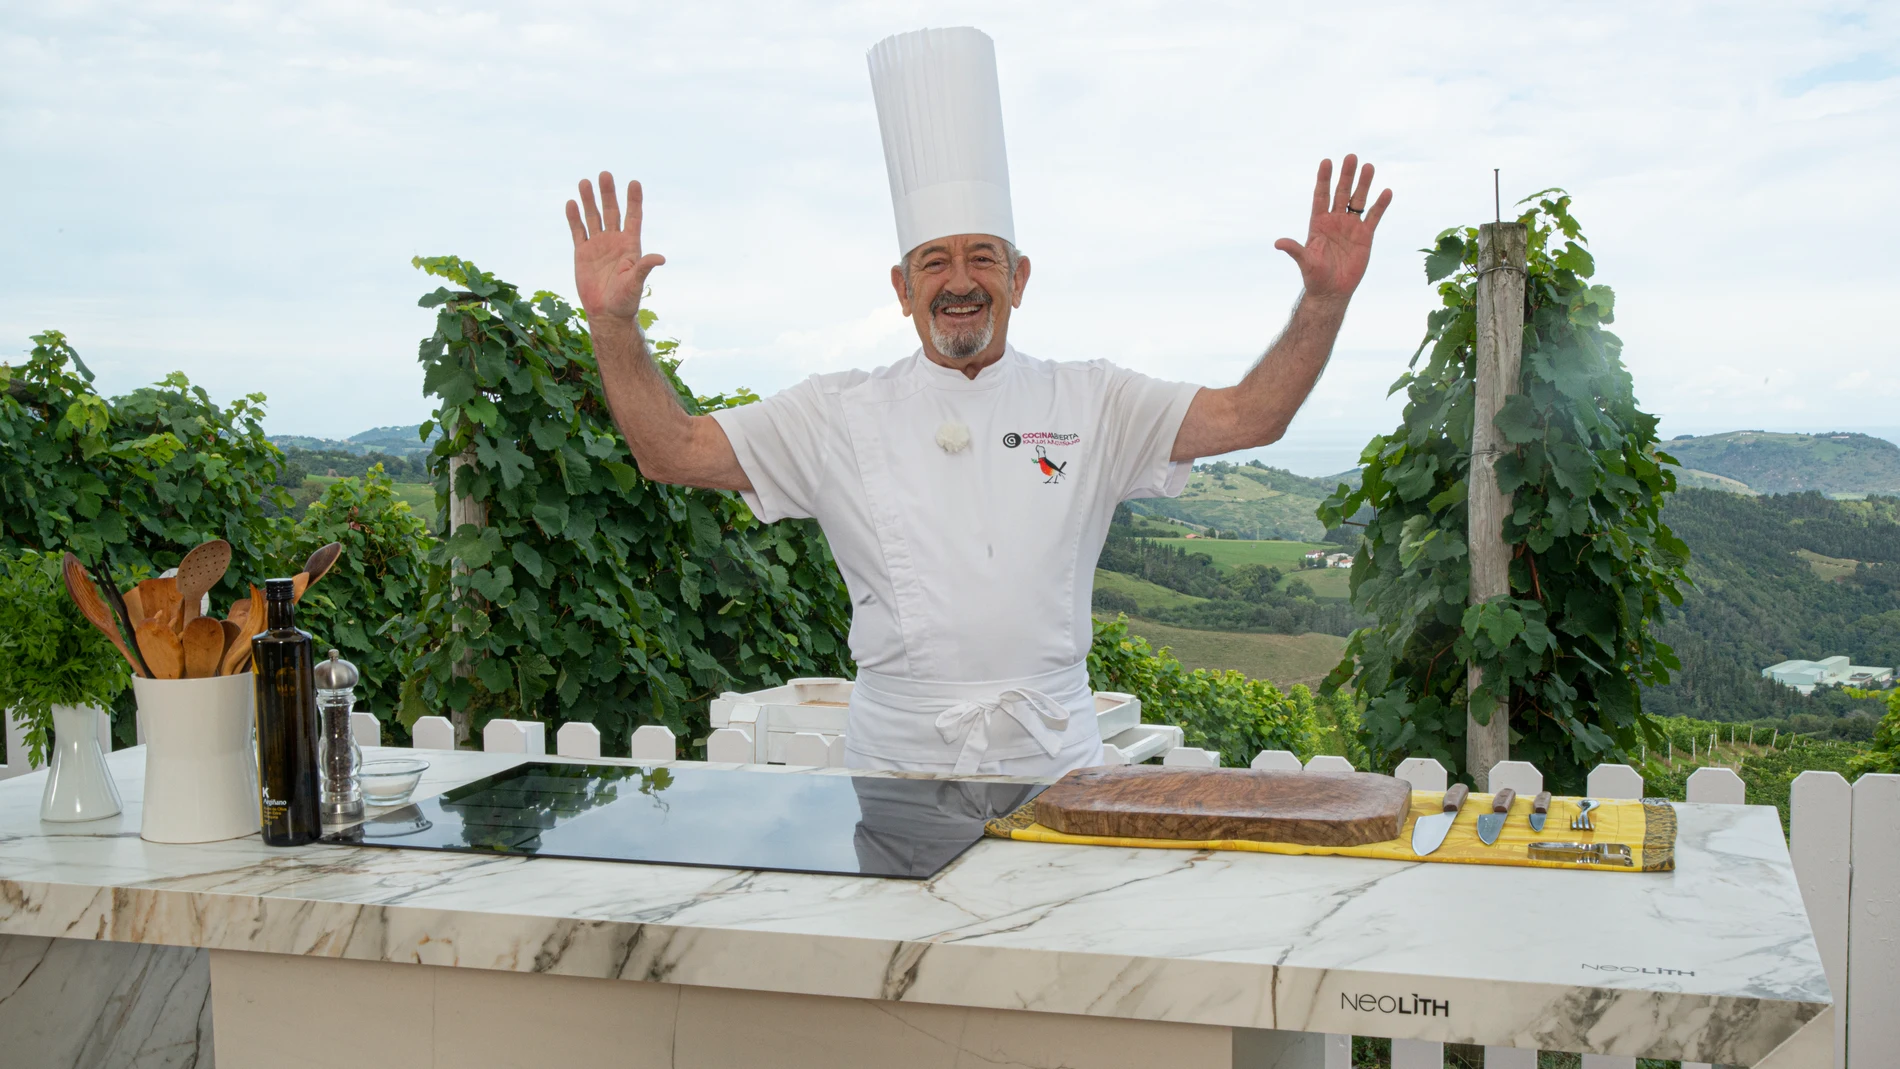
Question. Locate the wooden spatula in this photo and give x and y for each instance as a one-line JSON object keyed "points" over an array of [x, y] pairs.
{"points": [[320, 562], [160, 599], [204, 647], [86, 596], [253, 621], [164, 652], [134, 606], [201, 570]]}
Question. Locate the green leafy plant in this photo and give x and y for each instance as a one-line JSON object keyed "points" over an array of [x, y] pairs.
{"points": [[1572, 644], [381, 576], [591, 593], [49, 654], [1223, 711], [1884, 756], [136, 481]]}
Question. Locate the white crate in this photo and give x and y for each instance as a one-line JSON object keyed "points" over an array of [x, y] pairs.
{"points": [[771, 717]]}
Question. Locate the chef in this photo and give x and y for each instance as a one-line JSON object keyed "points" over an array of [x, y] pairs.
{"points": [[966, 489]]}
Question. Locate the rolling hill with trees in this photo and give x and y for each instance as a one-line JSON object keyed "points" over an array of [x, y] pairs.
{"points": [[1777, 577], [1771, 463]]}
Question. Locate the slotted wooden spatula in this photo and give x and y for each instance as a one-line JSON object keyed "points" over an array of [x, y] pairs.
{"points": [[201, 570]]}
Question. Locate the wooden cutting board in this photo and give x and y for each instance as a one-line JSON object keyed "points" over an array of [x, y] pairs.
{"points": [[1153, 802]]}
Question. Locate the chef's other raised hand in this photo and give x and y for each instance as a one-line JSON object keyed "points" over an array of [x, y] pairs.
{"points": [[610, 271], [1339, 236]]}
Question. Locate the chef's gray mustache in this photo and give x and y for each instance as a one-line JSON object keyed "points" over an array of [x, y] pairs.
{"points": [[946, 299]]}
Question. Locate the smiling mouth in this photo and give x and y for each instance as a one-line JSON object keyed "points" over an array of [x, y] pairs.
{"points": [[962, 310]]}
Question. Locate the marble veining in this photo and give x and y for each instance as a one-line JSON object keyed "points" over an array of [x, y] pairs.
{"points": [[1712, 962]]}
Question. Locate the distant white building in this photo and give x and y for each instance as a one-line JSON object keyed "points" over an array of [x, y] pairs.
{"points": [[1804, 676], [1339, 560]]}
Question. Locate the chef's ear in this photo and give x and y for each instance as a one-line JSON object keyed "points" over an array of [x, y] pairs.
{"points": [[902, 287], [1018, 281]]}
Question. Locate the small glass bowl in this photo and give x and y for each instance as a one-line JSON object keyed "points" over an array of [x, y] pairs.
{"points": [[390, 780]]}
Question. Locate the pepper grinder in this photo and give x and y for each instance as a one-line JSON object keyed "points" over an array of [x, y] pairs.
{"points": [[339, 757]]}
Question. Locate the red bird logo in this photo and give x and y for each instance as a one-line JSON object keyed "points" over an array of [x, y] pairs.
{"points": [[1053, 471]]}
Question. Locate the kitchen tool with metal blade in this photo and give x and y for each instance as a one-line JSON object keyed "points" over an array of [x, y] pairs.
{"points": [[1428, 833], [1490, 824], [1583, 853], [1540, 808]]}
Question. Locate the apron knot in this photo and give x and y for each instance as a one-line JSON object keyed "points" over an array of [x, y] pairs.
{"points": [[1041, 716]]}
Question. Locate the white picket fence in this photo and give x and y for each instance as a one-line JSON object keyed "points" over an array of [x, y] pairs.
{"points": [[1844, 841]]}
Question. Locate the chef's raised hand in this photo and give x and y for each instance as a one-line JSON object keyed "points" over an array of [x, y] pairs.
{"points": [[610, 271], [1339, 236]]}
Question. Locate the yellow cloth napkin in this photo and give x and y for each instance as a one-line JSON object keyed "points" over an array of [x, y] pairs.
{"points": [[1647, 827]]}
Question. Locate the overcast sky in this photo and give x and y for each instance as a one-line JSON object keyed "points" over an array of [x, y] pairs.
{"points": [[236, 190]]}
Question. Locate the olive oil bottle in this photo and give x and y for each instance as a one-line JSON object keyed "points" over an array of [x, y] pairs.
{"points": [[287, 774]]}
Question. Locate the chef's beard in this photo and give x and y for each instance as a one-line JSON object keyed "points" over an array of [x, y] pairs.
{"points": [[962, 344]]}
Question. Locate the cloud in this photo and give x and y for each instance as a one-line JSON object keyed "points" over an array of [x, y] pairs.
{"points": [[237, 190]]}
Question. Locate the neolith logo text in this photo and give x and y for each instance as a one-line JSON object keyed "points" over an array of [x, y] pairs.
{"points": [[1642, 969], [1403, 1005]]}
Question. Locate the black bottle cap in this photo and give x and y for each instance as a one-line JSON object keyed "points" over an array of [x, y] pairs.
{"points": [[280, 589]]}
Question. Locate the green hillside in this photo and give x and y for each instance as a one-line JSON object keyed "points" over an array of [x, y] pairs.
{"points": [[404, 441], [1251, 500], [1770, 463], [1284, 659], [1779, 577], [1231, 553], [1691, 479]]}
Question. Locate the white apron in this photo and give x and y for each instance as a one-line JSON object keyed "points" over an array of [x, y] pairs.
{"points": [[970, 572]]}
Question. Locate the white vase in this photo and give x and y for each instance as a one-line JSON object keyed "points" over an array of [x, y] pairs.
{"points": [[78, 787], [200, 765]]}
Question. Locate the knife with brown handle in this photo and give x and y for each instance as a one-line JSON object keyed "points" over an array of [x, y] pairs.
{"points": [[1428, 832], [1490, 824], [1540, 808]]}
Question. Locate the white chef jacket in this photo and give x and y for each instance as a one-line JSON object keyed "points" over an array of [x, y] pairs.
{"points": [[970, 572]]}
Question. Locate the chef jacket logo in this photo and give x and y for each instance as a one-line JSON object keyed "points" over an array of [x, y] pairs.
{"points": [[1052, 471], [1041, 438]]}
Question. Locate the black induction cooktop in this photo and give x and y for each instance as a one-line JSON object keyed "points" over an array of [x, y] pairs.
{"points": [[669, 815]]}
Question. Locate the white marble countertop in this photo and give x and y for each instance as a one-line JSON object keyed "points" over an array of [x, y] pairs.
{"points": [[1712, 962]]}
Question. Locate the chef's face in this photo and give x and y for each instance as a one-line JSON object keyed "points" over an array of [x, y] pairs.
{"points": [[961, 290]]}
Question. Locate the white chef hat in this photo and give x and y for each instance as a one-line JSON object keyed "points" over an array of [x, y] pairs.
{"points": [[941, 115]]}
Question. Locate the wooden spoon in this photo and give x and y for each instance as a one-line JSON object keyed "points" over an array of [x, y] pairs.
{"points": [[163, 650], [201, 570], [319, 563], [240, 614], [86, 596], [204, 647]]}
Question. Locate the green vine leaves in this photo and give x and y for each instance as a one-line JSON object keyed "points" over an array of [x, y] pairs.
{"points": [[591, 593], [133, 481], [1592, 562]]}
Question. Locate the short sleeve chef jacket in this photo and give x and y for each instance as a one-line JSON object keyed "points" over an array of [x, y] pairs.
{"points": [[972, 565]]}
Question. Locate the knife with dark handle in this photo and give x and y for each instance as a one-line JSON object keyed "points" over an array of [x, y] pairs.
{"points": [[1429, 832], [1540, 808], [1490, 824]]}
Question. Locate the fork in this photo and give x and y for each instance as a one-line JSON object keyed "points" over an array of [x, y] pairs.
{"points": [[1581, 822]]}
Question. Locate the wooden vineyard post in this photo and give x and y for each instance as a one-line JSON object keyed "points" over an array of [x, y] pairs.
{"points": [[1500, 349], [462, 510]]}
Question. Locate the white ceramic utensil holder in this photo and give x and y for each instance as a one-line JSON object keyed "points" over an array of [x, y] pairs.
{"points": [[200, 764], [78, 787]]}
